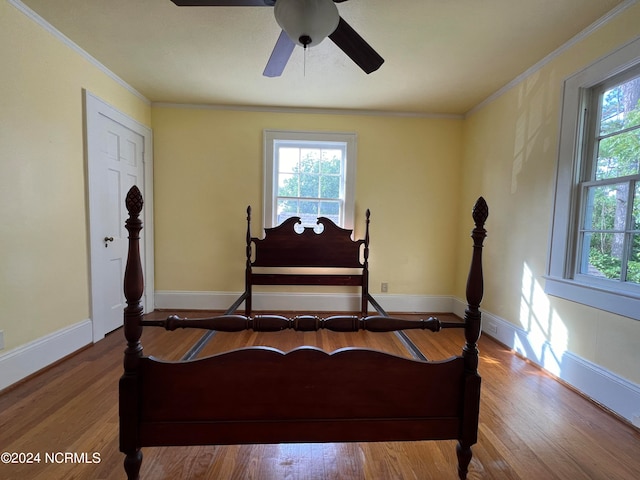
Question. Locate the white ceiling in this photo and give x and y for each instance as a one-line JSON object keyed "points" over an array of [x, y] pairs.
{"points": [[441, 56]]}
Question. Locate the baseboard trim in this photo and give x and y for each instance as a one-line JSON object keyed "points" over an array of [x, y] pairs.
{"points": [[18, 363], [297, 301], [604, 387]]}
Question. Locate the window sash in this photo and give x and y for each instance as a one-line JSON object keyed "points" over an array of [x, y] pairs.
{"points": [[306, 205], [593, 99], [340, 209]]}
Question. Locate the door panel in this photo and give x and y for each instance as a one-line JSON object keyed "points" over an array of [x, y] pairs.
{"points": [[115, 164]]}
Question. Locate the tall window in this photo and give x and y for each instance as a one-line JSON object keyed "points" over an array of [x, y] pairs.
{"points": [[609, 233], [594, 255], [309, 175]]}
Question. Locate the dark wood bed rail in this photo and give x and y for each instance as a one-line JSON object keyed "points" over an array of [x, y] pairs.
{"points": [[152, 393], [302, 323]]}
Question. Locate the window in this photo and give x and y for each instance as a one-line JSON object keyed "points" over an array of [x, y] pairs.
{"points": [[309, 175], [609, 232], [595, 244]]}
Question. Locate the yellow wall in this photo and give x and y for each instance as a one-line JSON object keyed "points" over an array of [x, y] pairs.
{"points": [[510, 155], [419, 176], [44, 283], [208, 168]]}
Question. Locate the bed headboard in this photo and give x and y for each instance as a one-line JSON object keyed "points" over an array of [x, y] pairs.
{"points": [[285, 247]]}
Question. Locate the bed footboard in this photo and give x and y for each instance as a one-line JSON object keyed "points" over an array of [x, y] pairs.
{"points": [[305, 395]]}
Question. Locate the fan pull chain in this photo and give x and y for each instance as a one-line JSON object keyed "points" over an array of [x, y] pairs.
{"points": [[305, 40]]}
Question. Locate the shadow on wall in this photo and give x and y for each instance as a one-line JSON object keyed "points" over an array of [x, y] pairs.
{"points": [[544, 336], [536, 107]]}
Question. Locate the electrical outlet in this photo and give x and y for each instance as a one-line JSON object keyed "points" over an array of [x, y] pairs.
{"points": [[384, 287], [491, 328], [1, 339]]}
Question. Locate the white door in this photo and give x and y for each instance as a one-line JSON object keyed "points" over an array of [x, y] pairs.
{"points": [[115, 163]]}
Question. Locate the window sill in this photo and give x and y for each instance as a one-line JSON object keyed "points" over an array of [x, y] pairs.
{"points": [[621, 303]]}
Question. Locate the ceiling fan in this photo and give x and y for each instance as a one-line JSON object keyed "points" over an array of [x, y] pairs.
{"points": [[305, 23]]}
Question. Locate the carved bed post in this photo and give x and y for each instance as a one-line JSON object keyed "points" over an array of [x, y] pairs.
{"points": [[365, 271], [133, 289], [472, 320], [475, 287], [247, 272]]}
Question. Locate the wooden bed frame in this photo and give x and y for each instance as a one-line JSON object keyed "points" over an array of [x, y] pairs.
{"points": [[199, 403]]}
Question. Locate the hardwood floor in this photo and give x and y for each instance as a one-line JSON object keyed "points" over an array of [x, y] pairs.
{"points": [[531, 426]]}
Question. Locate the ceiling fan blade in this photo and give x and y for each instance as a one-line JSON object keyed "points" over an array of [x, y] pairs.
{"points": [[280, 56], [355, 47], [224, 3]]}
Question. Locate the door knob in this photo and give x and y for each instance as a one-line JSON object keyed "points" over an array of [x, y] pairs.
{"points": [[106, 240]]}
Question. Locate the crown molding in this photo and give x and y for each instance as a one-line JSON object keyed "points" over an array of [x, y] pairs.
{"points": [[606, 18], [308, 111]]}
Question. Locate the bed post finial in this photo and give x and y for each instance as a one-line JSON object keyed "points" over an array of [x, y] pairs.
{"points": [[133, 290], [475, 286]]}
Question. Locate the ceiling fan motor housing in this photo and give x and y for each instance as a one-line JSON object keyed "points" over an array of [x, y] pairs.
{"points": [[307, 22]]}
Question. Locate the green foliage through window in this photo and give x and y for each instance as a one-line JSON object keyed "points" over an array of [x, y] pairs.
{"points": [[309, 183], [611, 219]]}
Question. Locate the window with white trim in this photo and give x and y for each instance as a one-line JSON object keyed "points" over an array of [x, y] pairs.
{"points": [[595, 244], [309, 175], [609, 231]]}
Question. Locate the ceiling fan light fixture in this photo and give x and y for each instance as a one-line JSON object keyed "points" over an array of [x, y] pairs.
{"points": [[307, 22]]}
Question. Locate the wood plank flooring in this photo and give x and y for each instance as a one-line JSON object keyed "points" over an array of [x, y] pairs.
{"points": [[531, 426]]}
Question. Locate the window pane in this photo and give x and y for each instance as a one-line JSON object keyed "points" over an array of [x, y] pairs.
{"points": [[331, 162], [307, 207], [597, 257], [309, 160], [288, 185], [604, 228], [286, 208], [620, 107], [619, 155], [330, 187], [309, 213], [329, 208], [288, 159], [606, 207], [309, 185]]}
